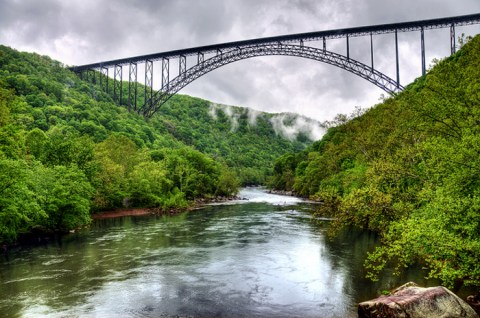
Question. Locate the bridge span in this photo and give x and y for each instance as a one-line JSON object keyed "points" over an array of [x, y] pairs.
{"points": [[211, 57]]}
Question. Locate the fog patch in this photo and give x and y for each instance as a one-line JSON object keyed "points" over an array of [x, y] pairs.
{"points": [[252, 116], [212, 111], [292, 126], [228, 111], [287, 125]]}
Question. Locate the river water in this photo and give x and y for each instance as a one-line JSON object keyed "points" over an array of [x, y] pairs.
{"points": [[261, 257]]}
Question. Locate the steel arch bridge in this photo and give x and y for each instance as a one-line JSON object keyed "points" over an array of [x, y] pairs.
{"points": [[234, 55], [209, 58]]}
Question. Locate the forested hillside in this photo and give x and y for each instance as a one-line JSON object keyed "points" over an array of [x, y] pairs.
{"points": [[408, 168], [66, 150], [247, 141]]}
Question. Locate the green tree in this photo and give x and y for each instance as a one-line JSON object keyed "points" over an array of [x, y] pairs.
{"points": [[36, 143], [64, 195], [149, 185], [19, 209]]}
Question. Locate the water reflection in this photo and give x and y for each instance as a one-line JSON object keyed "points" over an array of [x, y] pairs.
{"points": [[261, 258]]}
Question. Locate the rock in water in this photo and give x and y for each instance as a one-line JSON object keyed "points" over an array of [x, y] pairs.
{"points": [[412, 301], [474, 302]]}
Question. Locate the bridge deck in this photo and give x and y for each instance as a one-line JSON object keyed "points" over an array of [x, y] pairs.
{"points": [[309, 36]]}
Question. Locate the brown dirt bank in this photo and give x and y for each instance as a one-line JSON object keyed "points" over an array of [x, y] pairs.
{"points": [[156, 211], [122, 212]]}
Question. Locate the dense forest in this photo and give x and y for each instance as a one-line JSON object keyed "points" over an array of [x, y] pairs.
{"points": [[409, 168], [246, 140], [67, 150]]}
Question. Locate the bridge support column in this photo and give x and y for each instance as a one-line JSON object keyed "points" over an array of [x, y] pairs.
{"points": [[182, 65], [324, 44], [200, 58], [86, 75], [371, 49], [117, 83], [104, 77], [132, 86], [422, 44], [165, 73], [452, 39], [396, 58], [93, 78], [348, 48], [148, 83]]}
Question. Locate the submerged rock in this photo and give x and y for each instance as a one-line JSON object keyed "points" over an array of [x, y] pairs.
{"points": [[412, 301]]}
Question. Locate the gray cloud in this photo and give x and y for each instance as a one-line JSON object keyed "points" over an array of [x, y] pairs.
{"points": [[78, 32]]}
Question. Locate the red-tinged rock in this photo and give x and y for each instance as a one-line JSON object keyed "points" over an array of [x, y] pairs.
{"points": [[412, 301]]}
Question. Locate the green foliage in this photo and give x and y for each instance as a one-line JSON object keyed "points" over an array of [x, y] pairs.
{"points": [[227, 132], [5, 97], [64, 195], [33, 195], [18, 205], [284, 171], [227, 183], [408, 168], [151, 186], [66, 149], [71, 150]]}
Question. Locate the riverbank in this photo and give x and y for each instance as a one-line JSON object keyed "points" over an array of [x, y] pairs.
{"points": [[121, 212], [40, 236], [196, 204]]}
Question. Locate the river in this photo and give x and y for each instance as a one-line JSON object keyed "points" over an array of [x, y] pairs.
{"points": [[261, 257]]}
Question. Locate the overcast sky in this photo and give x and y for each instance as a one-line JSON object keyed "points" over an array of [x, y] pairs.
{"points": [[87, 31]]}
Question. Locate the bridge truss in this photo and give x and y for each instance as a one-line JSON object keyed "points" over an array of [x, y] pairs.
{"points": [[209, 58]]}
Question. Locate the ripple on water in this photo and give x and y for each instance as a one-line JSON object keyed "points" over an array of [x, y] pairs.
{"points": [[53, 261]]}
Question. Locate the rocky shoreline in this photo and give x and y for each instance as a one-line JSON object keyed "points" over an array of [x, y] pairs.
{"points": [[282, 192]]}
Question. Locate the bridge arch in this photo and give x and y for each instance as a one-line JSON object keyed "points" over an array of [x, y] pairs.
{"points": [[289, 45], [223, 58]]}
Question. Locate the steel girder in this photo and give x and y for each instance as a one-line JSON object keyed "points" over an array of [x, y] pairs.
{"points": [[117, 83], [295, 38], [132, 86], [240, 53], [104, 78], [278, 45], [148, 82]]}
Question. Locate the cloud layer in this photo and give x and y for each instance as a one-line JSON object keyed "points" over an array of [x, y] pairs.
{"points": [[80, 32]]}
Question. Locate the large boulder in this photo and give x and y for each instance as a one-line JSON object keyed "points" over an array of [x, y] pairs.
{"points": [[412, 301]]}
